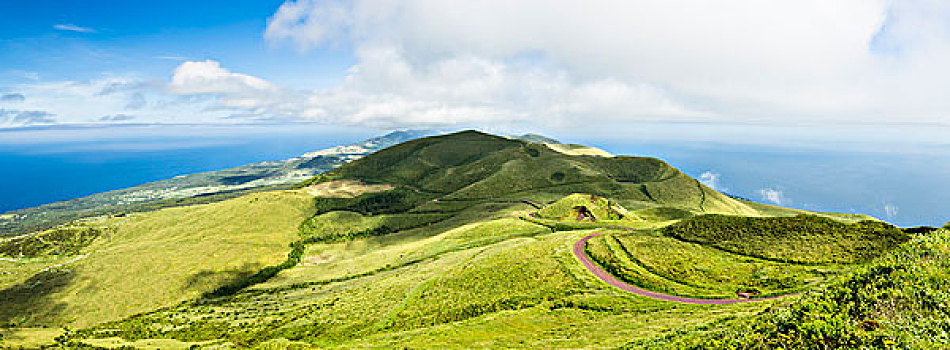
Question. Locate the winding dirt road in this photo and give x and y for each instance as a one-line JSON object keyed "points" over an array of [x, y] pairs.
{"points": [[613, 281]]}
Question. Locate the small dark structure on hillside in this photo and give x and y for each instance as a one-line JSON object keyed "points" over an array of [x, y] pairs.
{"points": [[584, 214]]}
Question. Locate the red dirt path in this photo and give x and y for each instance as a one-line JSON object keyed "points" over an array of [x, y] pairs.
{"points": [[613, 281]]}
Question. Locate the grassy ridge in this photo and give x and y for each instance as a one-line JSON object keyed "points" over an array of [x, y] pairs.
{"points": [[457, 286], [799, 239], [898, 301]]}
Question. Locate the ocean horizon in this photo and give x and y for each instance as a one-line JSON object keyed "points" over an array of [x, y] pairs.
{"points": [[847, 181]]}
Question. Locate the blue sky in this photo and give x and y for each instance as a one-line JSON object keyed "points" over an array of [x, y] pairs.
{"points": [[151, 38]]}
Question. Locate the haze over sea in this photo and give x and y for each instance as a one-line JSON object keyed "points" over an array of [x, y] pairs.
{"points": [[906, 186]]}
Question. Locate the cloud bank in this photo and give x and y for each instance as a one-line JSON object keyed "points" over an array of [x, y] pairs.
{"points": [[845, 61], [423, 63]]}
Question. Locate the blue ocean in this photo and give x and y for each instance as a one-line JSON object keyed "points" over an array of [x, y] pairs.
{"points": [[44, 166], [906, 188]]}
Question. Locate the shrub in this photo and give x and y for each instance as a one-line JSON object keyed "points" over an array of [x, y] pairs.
{"points": [[58, 241]]}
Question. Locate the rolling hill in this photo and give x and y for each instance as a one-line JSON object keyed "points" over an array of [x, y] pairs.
{"points": [[454, 241]]}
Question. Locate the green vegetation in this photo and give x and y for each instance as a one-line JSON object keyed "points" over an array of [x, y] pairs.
{"points": [[68, 240], [578, 205], [444, 253], [898, 301], [338, 226], [667, 265], [800, 239], [153, 259]]}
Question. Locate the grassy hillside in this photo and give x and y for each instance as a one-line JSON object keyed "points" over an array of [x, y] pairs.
{"points": [[898, 301], [151, 260], [801, 239], [441, 252], [454, 298]]}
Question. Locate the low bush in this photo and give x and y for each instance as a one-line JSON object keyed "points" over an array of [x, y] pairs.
{"points": [[262, 275], [67, 240]]}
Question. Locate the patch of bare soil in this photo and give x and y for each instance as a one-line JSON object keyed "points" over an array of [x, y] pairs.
{"points": [[345, 188]]}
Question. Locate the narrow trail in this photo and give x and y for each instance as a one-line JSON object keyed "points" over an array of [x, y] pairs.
{"points": [[613, 281]]}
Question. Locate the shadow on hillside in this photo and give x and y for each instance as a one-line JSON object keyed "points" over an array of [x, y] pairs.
{"points": [[31, 303], [208, 280]]}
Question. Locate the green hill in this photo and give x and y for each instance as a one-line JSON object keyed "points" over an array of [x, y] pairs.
{"points": [[426, 244], [471, 165]]}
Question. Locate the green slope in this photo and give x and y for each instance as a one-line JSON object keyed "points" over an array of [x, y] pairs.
{"points": [[897, 301], [441, 260], [145, 261]]}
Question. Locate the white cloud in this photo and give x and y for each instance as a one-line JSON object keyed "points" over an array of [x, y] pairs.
{"points": [[207, 77], [711, 179], [29, 75], [309, 24], [774, 196], [842, 61], [79, 102], [565, 65], [73, 28], [891, 210]]}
